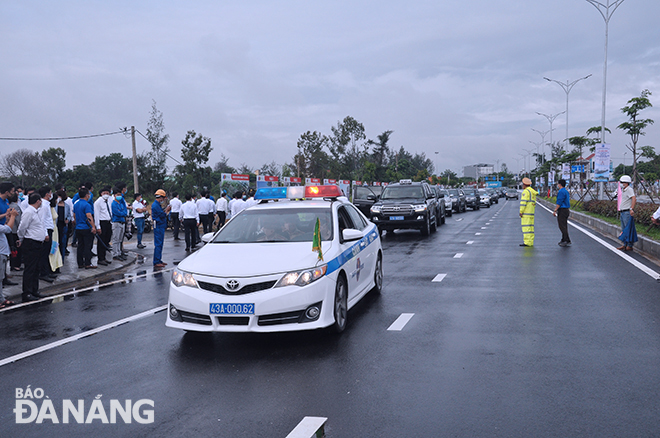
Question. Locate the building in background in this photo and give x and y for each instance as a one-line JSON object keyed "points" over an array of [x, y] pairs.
{"points": [[477, 171]]}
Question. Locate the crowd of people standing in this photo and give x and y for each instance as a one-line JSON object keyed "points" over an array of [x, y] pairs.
{"points": [[37, 227]]}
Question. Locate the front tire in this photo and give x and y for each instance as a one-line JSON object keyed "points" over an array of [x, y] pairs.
{"points": [[426, 229], [340, 310]]}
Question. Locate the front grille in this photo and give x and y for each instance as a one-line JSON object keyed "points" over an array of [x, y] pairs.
{"points": [[256, 287], [404, 210], [281, 318], [233, 320], [195, 318]]}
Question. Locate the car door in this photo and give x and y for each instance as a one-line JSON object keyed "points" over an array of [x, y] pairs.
{"points": [[354, 249], [368, 251]]}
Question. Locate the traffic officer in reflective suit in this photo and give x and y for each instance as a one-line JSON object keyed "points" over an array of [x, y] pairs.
{"points": [[527, 207]]}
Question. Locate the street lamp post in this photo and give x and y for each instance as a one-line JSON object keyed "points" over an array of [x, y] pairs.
{"points": [[551, 118], [567, 87], [542, 134], [437, 169]]}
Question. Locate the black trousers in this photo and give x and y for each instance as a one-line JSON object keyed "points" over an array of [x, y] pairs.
{"points": [[189, 227], [562, 221], [176, 224], [85, 242], [106, 236], [44, 263], [222, 217], [207, 222], [31, 258]]}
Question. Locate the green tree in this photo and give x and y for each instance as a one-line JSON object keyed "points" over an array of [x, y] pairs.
{"points": [[153, 163], [379, 154], [347, 148], [311, 159], [54, 161], [635, 126], [193, 175]]}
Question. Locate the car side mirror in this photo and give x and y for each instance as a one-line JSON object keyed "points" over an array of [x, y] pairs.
{"points": [[350, 234], [371, 197], [206, 238]]}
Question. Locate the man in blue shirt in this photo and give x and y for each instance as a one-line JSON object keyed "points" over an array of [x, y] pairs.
{"points": [[119, 213], [562, 212], [159, 216], [85, 229]]}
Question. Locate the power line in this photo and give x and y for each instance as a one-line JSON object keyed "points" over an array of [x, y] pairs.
{"points": [[154, 145], [123, 131]]}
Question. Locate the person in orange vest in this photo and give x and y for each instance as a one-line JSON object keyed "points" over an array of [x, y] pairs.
{"points": [[527, 207]]}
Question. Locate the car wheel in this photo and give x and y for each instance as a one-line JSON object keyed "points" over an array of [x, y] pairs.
{"points": [[488, 205], [426, 229], [443, 219], [340, 311], [450, 212], [378, 275], [464, 208]]}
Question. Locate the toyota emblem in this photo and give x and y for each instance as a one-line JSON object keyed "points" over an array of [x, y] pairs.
{"points": [[233, 285]]}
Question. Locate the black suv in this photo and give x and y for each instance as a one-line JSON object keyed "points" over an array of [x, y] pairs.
{"points": [[406, 205], [472, 198], [365, 196]]}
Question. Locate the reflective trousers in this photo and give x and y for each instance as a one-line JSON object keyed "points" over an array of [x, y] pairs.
{"points": [[527, 222]]}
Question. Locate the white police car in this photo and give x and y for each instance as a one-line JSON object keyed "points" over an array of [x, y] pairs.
{"points": [[259, 273]]}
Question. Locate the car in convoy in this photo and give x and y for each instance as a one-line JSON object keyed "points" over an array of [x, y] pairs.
{"points": [[485, 199], [407, 205], [459, 203], [365, 196], [472, 198], [512, 194], [494, 195], [284, 264], [443, 194]]}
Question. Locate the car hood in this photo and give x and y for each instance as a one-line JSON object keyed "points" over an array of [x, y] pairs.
{"points": [[253, 259], [402, 201]]}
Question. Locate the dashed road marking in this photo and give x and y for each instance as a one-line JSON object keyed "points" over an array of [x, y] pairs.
{"points": [[439, 277], [401, 322], [458, 220], [458, 255], [470, 242], [308, 427], [65, 341], [477, 234], [484, 228]]}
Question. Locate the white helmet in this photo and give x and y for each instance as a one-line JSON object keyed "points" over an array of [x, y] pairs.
{"points": [[625, 179]]}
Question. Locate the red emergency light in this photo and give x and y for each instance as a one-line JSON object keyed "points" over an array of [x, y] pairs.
{"points": [[322, 192]]}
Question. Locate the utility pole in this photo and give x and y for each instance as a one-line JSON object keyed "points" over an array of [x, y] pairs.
{"points": [[567, 87], [135, 173]]}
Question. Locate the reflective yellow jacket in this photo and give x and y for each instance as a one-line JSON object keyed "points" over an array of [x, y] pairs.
{"points": [[528, 202]]}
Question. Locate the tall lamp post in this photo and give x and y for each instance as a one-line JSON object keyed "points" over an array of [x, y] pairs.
{"points": [[567, 87], [437, 169], [551, 118], [542, 134]]}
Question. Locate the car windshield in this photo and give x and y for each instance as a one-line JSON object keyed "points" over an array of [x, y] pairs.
{"points": [[453, 192], [276, 225], [402, 192], [363, 192], [470, 192], [483, 192]]}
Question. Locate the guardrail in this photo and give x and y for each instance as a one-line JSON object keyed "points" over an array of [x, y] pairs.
{"points": [[309, 427]]}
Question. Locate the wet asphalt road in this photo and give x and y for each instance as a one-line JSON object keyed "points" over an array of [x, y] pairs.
{"points": [[512, 342]]}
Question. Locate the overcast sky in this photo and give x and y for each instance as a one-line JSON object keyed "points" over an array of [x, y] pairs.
{"points": [[462, 78]]}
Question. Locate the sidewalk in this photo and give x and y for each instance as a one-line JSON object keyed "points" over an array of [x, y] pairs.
{"points": [[73, 277]]}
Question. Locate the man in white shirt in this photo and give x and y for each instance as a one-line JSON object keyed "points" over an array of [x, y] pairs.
{"points": [[175, 203], [250, 200], [103, 222], [138, 216], [45, 271], [205, 209], [31, 235], [190, 216], [238, 204], [626, 206], [221, 209]]}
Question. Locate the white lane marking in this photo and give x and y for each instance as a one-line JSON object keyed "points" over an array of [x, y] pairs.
{"points": [[487, 223], [308, 427], [607, 245], [401, 322], [61, 342], [484, 228], [59, 297], [439, 277], [477, 234], [458, 255], [470, 242], [458, 220]]}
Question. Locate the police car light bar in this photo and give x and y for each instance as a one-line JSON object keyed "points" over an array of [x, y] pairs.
{"points": [[298, 192]]}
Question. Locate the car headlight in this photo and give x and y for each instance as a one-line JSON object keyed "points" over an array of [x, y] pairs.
{"points": [[420, 207], [182, 278], [376, 208], [302, 278]]}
